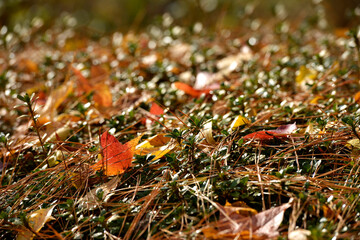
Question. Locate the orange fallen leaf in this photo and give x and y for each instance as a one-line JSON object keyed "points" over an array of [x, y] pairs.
{"points": [[155, 109], [190, 90], [117, 157], [357, 97], [102, 93], [316, 99]]}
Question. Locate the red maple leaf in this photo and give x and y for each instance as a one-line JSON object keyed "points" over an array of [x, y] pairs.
{"points": [[117, 157]]}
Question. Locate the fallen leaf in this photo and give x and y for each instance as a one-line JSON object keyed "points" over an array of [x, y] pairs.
{"points": [[54, 100], [280, 132], [239, 121], [285, 129], [36, 220], [263, 225], [162, 151], [60, 134], [190, 90], [305, 74], [28, 65], [158, 146], [156, 109], [102, 93], [355, 143], [299, 234], [152, 144], [117, 157], [316, 99], [231, 62], [240, 208], [357, 97], [207, 133], [91, 200]]}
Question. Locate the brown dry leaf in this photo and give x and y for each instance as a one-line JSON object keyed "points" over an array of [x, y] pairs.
{"points": [[263, 225], [90, 200], [220, 107], [230, 63], [206, 133], [37, 220], [55, 99]]}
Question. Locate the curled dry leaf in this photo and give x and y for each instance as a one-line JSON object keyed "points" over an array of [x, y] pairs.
{"points": [[60, 134], [91, 200], [207, 133], [36, 220], [281, 132], [117, 157], [232, 224]]}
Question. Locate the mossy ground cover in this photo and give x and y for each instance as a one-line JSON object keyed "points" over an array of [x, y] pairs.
{"points": [[60, 92]]}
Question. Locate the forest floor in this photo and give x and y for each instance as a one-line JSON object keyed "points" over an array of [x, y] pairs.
{"points": [[180, 133]]}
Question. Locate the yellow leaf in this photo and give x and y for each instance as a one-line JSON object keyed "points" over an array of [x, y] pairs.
{"points": [[316, 99], [305, 73], [158, 146], [160, 153], [36, 220], [152, 144], [238, 121]]}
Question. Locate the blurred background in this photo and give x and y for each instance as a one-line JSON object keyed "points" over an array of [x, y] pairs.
{"points": [[106, 16]]}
